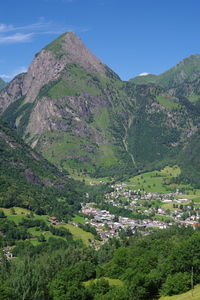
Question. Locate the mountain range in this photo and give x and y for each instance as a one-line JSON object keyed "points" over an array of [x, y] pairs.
{"points": [[80, 115]]}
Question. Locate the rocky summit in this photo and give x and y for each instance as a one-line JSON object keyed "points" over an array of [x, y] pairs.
{"points": [[80, 115]]}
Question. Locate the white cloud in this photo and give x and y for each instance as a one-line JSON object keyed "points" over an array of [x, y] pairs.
{"points": [[10, 33], [143, 74], [16, 38], [5, 28], [39, 27], [13, 73]]}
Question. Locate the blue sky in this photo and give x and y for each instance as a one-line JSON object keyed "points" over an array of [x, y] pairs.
{"points": [[130, 36]]}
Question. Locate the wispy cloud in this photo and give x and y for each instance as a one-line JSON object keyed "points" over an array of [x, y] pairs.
{"points": [[16, 38], [5, 28], [39, 26], [10, 33], [13, 73]]}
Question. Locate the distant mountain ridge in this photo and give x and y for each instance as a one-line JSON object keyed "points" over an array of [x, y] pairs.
{"points": [[81, 116], [185, 71]]}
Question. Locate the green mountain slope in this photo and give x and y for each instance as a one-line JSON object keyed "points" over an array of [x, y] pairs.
{"points": [[68, 109], [144, 79], [29, 181], [186, 71], [159, 128], [191, 295], [80, 116]]}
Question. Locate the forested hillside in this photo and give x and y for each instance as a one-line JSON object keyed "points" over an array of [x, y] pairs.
{"points": [[30, 181], [138, 268]]}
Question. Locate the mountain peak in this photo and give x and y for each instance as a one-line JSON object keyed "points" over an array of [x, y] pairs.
{"points": [[69, 49], [53, 61]]}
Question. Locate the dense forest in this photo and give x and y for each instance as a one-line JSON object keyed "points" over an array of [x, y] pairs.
{"points": [[28, 180], [142, 267]]}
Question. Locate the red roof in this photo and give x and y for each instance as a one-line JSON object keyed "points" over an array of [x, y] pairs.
{"points": [[53, 218]]}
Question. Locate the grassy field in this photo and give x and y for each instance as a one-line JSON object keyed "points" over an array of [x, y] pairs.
{"points": [[163, 218], [159, 181], [36, 233], [167, 102], [154, 181], [112, 282], [78, 219], [185, 296], [78, 233], [86, 178], [20, 213]]}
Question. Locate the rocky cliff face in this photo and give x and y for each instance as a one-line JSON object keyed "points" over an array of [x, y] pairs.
{"points": [[64, 104], [12, 92], [78, 113]]}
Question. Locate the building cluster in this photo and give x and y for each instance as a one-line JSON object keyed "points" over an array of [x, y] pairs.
{"points": [[137, 200], [109, 226]]}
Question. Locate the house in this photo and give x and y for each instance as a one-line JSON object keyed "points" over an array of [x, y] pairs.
{"points": [[54, 220], [195, 226]]}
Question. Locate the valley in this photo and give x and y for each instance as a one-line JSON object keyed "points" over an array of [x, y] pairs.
{"points": [[141, 205], [100, 180]]}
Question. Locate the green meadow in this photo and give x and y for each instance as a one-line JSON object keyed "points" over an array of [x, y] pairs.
{"points": [[78, 233], [155, 181], [195, 295], [112, 282]]}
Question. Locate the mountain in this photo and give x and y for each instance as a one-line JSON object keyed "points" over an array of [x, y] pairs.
{"points": [[2, 84], [66, 104], [81, 116], [28, 180], [185, 71], [144, 79]]}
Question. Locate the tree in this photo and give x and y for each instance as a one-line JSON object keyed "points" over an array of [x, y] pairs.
{"points": [[98, 288], [2, 215], [60, 290], [176, 284], [12, 211], [41, 238]]}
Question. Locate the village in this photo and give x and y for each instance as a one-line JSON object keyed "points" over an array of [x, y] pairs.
{"points": [[145, 203]]}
